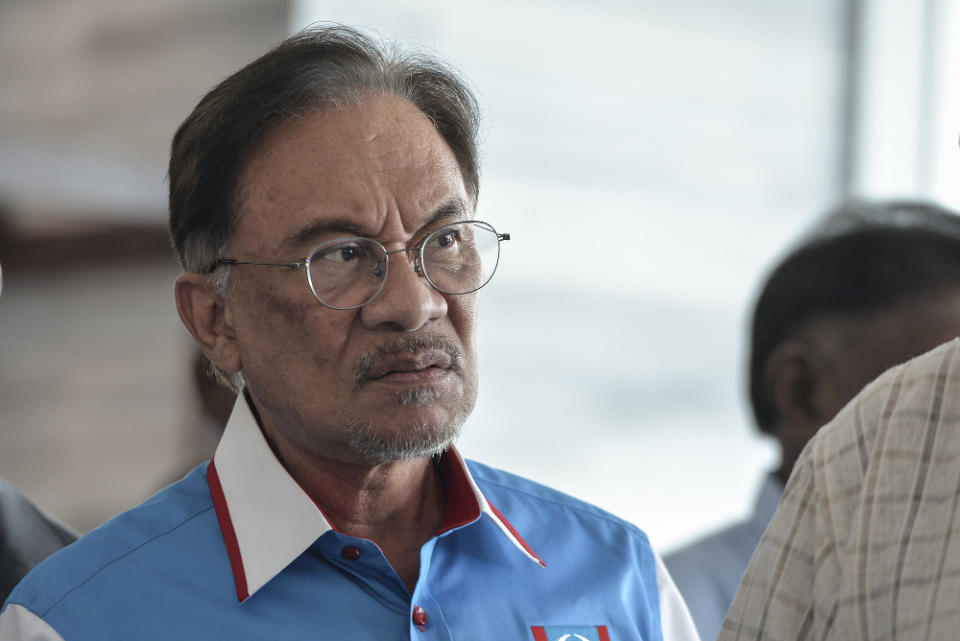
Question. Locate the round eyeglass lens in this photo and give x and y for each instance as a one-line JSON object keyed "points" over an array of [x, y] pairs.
{"points": [[346, 273], [462, 257]]}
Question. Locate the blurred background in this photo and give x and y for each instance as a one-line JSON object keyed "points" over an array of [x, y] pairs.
{"points": [[651, 159]]}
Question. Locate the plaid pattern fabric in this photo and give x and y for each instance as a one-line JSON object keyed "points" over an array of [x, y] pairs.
{"points": [[866, 542]]}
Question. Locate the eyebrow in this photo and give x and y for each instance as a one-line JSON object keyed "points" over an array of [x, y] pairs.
{"points": [[452, 209], [322, 228]]}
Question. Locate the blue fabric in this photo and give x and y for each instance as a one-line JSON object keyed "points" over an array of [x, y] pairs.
{"points": [[708, 572], [161, 571]]}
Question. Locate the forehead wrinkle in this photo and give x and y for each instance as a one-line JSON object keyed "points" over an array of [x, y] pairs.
{"points": [[383, 153], [317, 228], [450, 211]]}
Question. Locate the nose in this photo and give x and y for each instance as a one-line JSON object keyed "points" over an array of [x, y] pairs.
{"points": [[407, 301]]}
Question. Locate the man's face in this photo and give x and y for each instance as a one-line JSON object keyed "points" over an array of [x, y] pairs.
{"points": [[396, 378]]}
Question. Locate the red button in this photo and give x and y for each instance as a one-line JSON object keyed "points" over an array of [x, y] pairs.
{"points": [[350, 553], [419, 617]]}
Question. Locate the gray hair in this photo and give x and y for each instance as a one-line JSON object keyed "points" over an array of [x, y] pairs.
{"points": [[325, 65]]}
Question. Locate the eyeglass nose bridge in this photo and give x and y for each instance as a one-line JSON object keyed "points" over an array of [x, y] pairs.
{"points": [[417, 256]]}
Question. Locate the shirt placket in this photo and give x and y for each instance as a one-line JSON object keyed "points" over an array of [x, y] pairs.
{"points": [[427, 622], [364, 560]]}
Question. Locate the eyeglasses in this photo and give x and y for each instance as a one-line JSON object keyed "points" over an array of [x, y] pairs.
{"points": [[347, 273]]}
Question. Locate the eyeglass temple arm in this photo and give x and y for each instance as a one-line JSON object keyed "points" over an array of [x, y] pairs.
{"points": [[230, 261]]}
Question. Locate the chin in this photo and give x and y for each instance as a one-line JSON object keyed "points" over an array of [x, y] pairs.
{"points": [[412, 423], [420, 439], [418, 397]]}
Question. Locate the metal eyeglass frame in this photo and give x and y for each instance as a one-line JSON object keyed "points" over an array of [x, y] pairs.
{"points": [[417, 266]]}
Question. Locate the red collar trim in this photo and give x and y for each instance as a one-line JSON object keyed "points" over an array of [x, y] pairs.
{"points": [[267, 520], [471, 503], [460, 505], [526, 547], [229, 534]]}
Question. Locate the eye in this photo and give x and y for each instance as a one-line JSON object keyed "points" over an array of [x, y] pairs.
{"points": [[447, 238], [345, 253]]}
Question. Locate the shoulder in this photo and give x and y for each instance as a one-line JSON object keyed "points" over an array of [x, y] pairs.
{"points": [[27, 536], [537, 506], [904, 394], [905, 409], [122, 547], [498, 484], [586, 546], [882, 446], [18, 515]]}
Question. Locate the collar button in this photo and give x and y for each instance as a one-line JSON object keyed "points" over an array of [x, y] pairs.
{"points": [[419, 617], [350, 553]]}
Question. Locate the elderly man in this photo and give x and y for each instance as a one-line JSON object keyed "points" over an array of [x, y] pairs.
{"points": [[875, 284], [321, 203]]}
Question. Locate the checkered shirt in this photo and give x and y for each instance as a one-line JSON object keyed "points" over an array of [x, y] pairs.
{"points": [[866, 542]]}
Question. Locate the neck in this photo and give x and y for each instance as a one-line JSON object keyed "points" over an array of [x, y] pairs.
{"points": [[369, 500], [399, 505]]}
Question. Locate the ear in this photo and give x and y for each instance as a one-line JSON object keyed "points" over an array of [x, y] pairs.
{"points": [[205, 314], [791, 374]]}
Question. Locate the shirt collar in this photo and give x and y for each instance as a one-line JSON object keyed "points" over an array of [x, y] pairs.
{"points": [[267, 520]]}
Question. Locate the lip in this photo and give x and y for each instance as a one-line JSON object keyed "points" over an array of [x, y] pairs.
{"points": [[416, 377], [421, 367]]}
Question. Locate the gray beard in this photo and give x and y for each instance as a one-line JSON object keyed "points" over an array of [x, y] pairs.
{"points": [[418, 440]]}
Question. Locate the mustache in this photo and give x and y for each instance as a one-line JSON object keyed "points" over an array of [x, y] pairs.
{"points": [[409, 346]]}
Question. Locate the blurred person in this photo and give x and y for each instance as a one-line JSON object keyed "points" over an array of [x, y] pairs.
{"points": [[27, 535], [874, 284], [321, 204], [864, 545]]}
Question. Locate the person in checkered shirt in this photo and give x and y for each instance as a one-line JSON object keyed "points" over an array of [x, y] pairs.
{"points": [[864, 544]]}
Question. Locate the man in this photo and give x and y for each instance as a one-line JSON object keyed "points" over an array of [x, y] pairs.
{"points": [[864, 544], [874, 285], [321, 202], [27, 535]]}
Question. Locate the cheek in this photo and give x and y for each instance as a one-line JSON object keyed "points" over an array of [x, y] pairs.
{"points": [[463, 315], [279, 305], [462, 311], [290, 336]]}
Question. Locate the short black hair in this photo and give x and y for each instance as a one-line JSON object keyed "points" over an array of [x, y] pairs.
{"points": [[864, 257]]}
